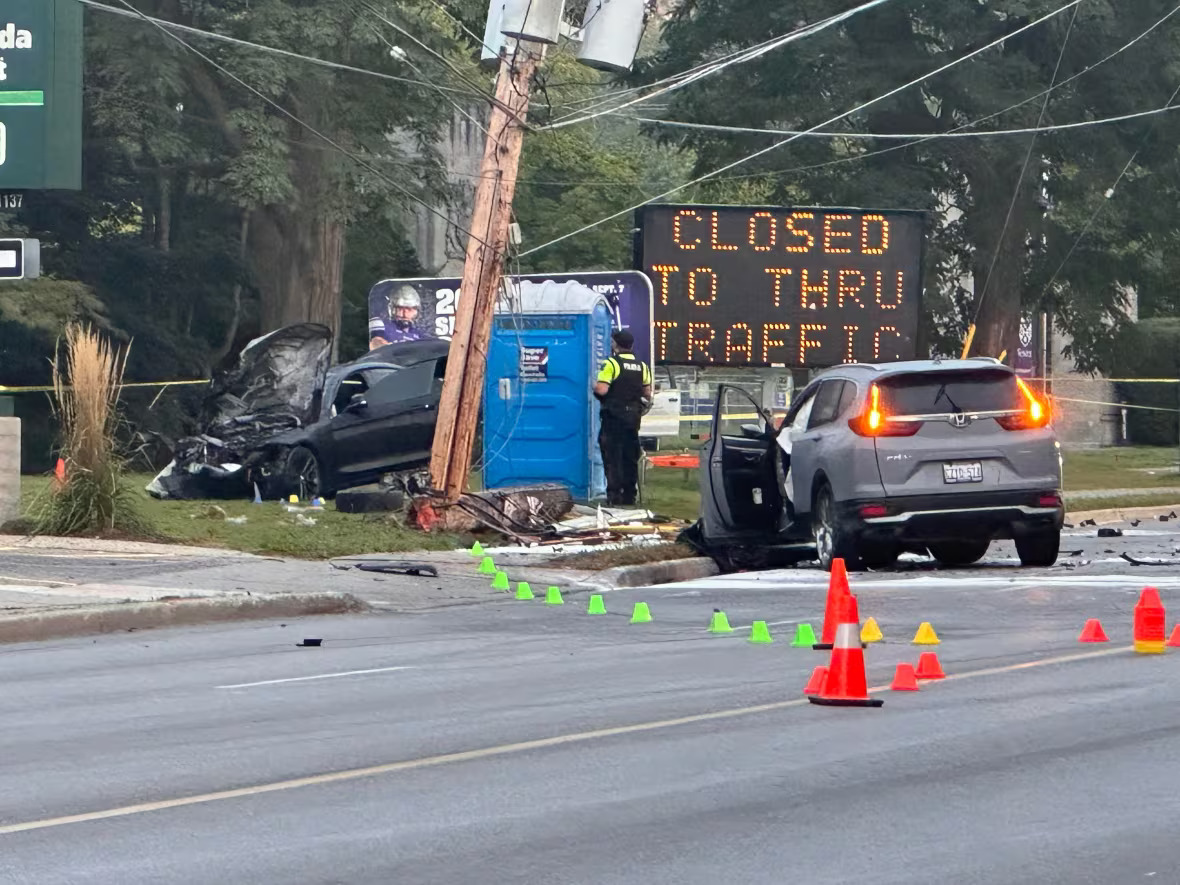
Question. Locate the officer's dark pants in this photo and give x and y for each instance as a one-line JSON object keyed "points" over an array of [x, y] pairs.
{"points": [[619, 442]]}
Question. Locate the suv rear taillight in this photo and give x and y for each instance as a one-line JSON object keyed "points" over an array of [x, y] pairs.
{"points": [[874, 421], [1049, 499], [1035, 414]]}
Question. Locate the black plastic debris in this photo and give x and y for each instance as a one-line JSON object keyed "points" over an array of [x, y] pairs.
{"points": [[1165, 562], [1088, 522], [392, 567], [1134, 523], [1164, 518], [309, 643], [1110, 533]]}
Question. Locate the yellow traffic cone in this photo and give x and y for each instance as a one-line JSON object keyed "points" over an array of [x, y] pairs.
{"points": [[870, 632], [926, 635]]}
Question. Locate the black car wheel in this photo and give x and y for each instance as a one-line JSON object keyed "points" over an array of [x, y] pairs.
{"points": [[832, 539], [1039, 549], [959, 553], [303, 474]]}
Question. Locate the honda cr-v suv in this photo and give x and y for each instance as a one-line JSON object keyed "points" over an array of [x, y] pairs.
{"points": [[875, 460]]}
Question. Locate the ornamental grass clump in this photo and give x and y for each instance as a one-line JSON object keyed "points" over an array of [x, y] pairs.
{"points": [[91, 495]]}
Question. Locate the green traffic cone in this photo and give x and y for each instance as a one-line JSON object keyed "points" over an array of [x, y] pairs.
{"points": [[597, 606], [642, 614], [486, 566], [500, 582], [804, 637], [553, 597], [477, 549], [524, 591], [759, 632], [720, 623]]}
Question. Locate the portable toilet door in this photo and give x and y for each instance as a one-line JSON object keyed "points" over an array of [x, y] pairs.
{"points": [[540, 415]]}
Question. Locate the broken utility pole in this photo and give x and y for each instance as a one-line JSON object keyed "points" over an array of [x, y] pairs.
{"points": [[487, 244]]}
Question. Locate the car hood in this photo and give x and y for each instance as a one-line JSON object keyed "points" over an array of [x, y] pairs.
{"points": [[280, 375]]}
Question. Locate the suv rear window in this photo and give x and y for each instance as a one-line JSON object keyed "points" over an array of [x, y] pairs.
{"points": [[939, 393]]}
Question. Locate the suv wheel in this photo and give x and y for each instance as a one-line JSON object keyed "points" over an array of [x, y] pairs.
{"points": [[1039, 549], [959, 553], [832, 540]]}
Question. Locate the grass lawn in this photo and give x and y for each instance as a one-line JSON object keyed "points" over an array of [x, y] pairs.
{"points": [[269, 529], [668, 492], [1129, 468]]}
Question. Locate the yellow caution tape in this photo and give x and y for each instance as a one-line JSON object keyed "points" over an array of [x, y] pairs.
{"points": [[49, 387]]}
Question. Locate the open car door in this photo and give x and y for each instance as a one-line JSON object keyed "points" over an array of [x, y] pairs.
{"points": [[740, 498]]}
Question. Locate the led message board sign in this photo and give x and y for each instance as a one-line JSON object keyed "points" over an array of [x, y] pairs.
{"points": [[802, 288]]}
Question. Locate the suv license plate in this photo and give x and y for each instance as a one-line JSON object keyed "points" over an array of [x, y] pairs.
{"points": [[958, 473]]}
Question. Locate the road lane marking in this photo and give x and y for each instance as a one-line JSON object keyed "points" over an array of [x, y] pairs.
{"points": [[319, 676], [501, 750]]}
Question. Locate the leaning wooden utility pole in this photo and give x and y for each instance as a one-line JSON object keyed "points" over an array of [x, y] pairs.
{"points": [[491, 217]]}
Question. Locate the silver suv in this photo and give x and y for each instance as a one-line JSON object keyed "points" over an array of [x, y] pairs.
{"points": [[871, 461]]}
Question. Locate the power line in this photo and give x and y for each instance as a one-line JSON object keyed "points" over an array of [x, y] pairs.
{"points": [[918, 136], [828, 122], [224, 38], [705, 68], [717, 67], [1109, 194], [360, 162], [462, 76], [1023, 170]]}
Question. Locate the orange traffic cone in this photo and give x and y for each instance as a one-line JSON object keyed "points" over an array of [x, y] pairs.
{"points": [[929, 667], [1149, 621], [1174, 639], [847, 682], [1093, 632], [816, 683], [59, 473], [905, 679], [833, 614]]}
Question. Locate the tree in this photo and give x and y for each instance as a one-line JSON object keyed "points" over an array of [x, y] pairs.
{"points": [[1009, 238]]}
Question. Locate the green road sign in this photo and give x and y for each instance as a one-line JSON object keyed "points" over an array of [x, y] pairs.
{"points": [[40, 94]]}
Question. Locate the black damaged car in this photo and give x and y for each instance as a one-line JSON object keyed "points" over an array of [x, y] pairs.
{"points": [[284, 422]]}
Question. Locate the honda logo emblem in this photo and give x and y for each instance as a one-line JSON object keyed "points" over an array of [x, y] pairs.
{"points": [[960, 420]]}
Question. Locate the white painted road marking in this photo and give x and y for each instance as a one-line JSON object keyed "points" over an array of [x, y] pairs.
{"points": [[502, 750], [320, 676]]}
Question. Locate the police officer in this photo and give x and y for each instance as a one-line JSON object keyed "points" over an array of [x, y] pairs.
{"points": [[398, 324], [624, 390]]}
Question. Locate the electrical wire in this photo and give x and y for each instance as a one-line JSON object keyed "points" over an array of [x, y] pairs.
{"points": [[462, 111], [1109, 194], [310, 59], [758, 50], [1023, 170], [835, 119], [918, 136], [356, 159], [746, 56], [459, 74]]}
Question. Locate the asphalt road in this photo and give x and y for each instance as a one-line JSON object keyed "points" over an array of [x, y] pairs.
{"points": [[521, 743]]}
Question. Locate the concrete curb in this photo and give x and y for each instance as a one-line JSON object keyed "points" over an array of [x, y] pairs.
{"points": [[91, 620], [649, 574], [1120, 514]]}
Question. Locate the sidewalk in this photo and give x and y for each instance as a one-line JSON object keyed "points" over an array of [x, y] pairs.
{"points": [[67, 586]]}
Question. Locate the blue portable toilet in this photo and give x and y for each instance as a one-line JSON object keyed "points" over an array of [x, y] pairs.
{"points": [[540, 415]]}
